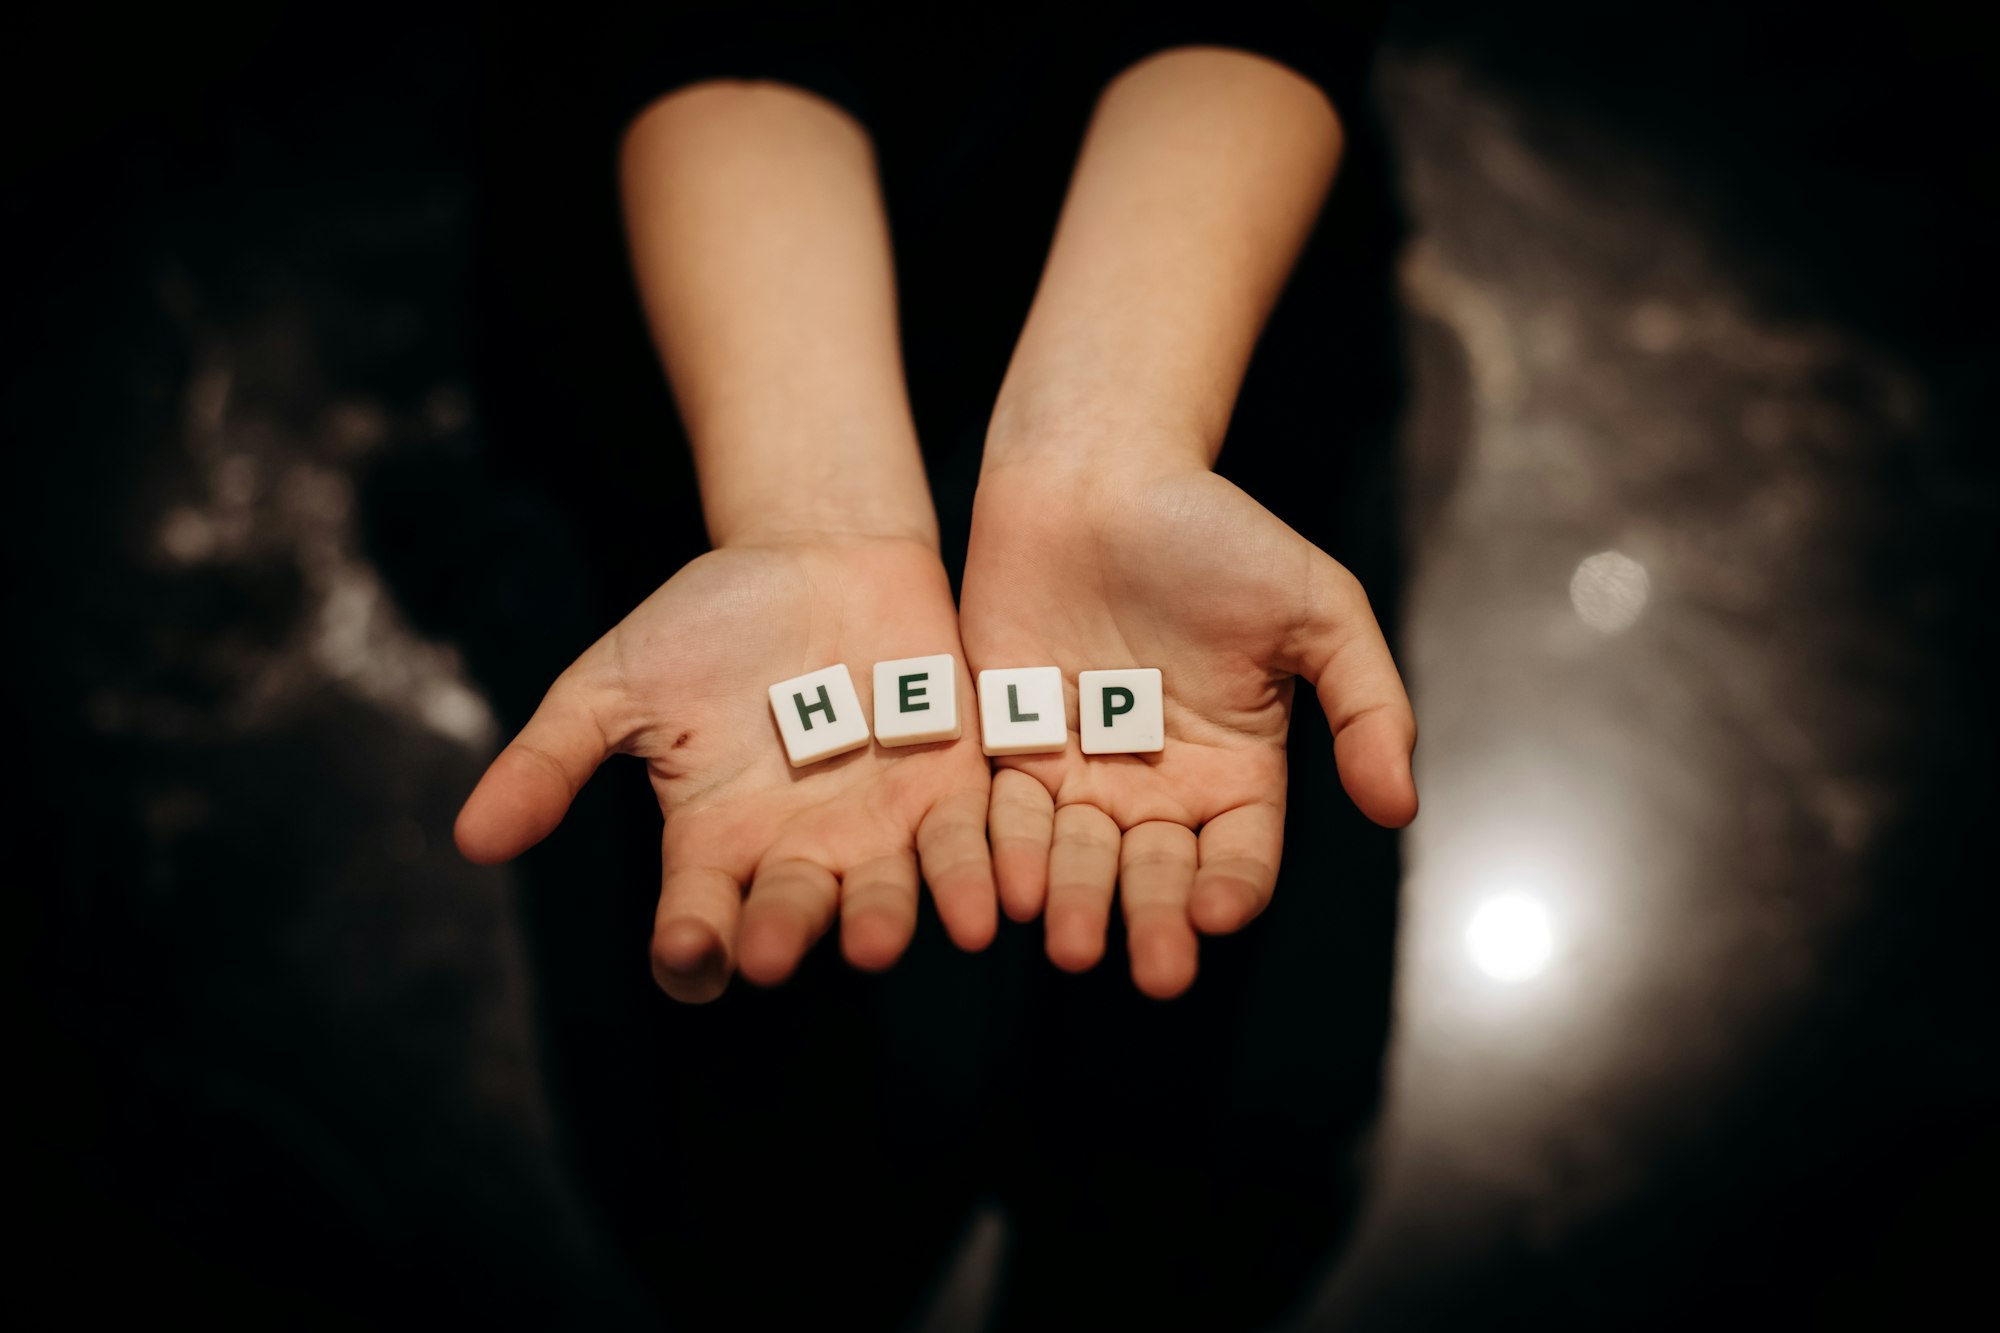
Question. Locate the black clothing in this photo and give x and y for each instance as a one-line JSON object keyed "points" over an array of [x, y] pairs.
{"points": [[812, 1152]]}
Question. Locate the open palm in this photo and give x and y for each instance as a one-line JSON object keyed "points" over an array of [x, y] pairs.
{"points": [[1184, 572], [681, 682]]}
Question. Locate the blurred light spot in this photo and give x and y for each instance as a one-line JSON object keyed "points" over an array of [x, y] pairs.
{"points": [[1508, 937], [346, 617], [453, 710], [1609, 591], [187, 536]]}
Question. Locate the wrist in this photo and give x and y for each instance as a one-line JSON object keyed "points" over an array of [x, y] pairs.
{"points": [[844, 486], [823, 528], [1037, 494], [1077, 442]]}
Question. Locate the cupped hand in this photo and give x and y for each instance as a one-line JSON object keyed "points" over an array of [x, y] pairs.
{"points": [[759, 857], [1174, 568]]}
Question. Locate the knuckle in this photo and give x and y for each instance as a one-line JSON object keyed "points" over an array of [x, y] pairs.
{"points": [[873, 896], [957, 870]]}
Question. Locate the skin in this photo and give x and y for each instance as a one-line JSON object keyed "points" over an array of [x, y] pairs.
{"points": [[780, 341], [842, 839], [1102, 539]]}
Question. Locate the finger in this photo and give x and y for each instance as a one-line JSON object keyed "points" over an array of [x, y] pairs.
{"points": [[1239, 868], [878, 910], [791, 904], [959, 868], [694, 929], [1340, 649], [528, 788], [1155, 872], [1083, 867], [1022, 822]]}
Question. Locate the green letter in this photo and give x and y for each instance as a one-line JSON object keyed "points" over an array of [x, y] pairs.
{"points": [[1014, 713], [1112, 710], [905, 695], [806, 710]]}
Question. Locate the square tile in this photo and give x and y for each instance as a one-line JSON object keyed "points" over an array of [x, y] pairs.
{"points": [[819, 715], [916, 700], [1121, 712], [1021, 711]]}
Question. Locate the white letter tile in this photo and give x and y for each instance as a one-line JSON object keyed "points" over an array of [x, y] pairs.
{"points": [[916, 700], [819, 715], [1021, 711], [1121, 712]]}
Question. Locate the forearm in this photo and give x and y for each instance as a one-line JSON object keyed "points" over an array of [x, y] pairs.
{"points": [[762, 257], [1198, 182]]}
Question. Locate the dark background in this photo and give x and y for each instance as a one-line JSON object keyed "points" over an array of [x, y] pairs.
{"points": [[1710, 290]]}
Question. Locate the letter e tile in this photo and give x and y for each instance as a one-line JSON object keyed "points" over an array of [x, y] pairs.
{"points": [[916, 700]]}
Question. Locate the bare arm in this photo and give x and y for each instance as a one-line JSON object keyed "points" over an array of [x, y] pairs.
{"points": [[762, 256], [1101, 539], [1199, 180]]}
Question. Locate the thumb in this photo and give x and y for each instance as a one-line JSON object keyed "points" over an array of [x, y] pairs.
{"points": [[1338, 646], [528, 789]]}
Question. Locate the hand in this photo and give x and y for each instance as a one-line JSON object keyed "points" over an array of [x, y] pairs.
{"points": [[682, 683], [1170, 567]]}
